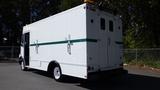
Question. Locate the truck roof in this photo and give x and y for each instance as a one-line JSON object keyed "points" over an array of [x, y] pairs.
{"points": [[55, 15], [59, 14]]}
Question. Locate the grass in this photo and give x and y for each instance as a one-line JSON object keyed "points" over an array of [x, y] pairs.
{"points": [[148, 58], [144, 62]]}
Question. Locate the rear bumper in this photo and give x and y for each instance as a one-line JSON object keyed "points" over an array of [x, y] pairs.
{"points": [[108, 73]]}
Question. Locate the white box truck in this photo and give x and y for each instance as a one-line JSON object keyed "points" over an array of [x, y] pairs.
{"points": [[77, 42]]}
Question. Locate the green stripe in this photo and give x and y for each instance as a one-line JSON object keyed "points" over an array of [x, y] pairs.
{"points": [[63, 42]]}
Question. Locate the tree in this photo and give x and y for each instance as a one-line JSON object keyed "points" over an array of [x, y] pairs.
{"points": [[9, 20], [17, 13], [140, 18], [140, 21], [67, 4], [43, 8]]}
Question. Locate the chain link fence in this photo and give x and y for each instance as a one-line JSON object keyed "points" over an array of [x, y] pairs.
{"points": [[9, 53], [150, 57]]}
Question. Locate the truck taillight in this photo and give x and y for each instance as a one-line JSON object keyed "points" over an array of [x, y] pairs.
{"points": [[89, 68]]}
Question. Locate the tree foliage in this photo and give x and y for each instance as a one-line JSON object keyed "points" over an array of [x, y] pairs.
{"points": [[14, 14], [140, 18], [140, 21], [67, 4]]}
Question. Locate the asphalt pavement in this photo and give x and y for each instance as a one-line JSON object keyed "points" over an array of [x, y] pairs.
{"points": [[12, 78]]}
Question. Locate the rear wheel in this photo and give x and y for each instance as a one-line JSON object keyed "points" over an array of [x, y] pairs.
{"points": [[57, 74]]}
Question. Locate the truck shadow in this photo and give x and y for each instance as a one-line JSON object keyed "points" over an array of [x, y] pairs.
{"points": [[131, 83]]}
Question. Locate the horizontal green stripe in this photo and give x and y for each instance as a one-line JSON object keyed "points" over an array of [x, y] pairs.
{"points": [[62, 42]]}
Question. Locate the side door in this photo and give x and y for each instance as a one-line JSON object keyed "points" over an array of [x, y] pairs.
{"points": [[26, 48]]}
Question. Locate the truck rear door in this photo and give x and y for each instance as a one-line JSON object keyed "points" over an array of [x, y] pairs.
{"points": [[107, 39]]}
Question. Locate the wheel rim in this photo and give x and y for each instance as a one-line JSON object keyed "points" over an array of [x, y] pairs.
{"points": [[22, 65], [57, 73]]}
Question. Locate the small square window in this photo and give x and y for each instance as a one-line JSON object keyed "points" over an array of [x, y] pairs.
{"points": [[103, 24], [111, 26]]}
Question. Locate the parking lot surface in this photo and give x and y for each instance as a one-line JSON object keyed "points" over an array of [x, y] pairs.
{"points": [[12, 78]]}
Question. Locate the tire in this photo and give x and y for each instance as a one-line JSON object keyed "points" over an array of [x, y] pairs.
{"points": [[23, 68], [56, 73]]}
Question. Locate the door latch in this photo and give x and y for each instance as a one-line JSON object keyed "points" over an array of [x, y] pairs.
{"points": [[69, 44], [37, 46]]}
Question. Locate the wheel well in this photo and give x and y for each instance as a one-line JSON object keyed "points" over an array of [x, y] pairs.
{"points": [[51, 65]]}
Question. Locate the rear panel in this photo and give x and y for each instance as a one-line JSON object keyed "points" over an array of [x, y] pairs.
{"points": [[106, 30]]}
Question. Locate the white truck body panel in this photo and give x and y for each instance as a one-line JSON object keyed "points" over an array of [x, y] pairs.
{"points": [[74, 39]]}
